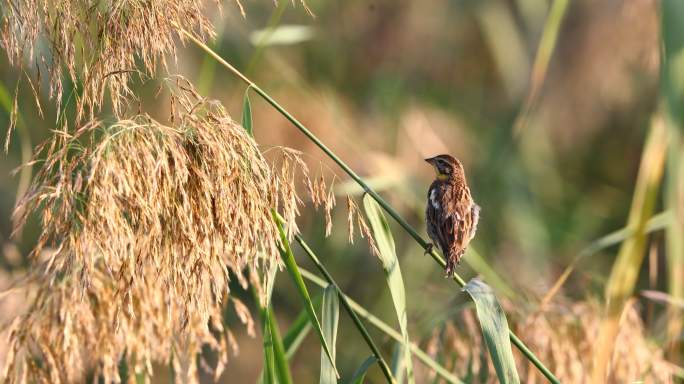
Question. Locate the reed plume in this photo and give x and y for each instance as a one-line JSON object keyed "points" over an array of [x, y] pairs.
{"points": [[147, 223], [98, 45]]}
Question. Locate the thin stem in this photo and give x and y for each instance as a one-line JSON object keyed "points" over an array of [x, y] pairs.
{"points": [[530, 355], [356, 178], [407, 227], [381, 325], [347, 306], [328, 152]]}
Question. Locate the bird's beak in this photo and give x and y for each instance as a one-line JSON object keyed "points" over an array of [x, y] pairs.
{"points": [[429, 160]]}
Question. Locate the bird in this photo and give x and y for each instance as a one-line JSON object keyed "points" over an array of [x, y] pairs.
{"points": [[451, 215]]}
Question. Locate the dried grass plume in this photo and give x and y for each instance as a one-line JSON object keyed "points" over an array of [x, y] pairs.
{"points": [[147, 224], [562, 336], [97, 43]]}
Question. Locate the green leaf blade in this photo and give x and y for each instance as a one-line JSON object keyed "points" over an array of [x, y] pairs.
{"points": [[247, 113], [269, 375], [330, 321], [361, 371], [281, 366], [495, 330], [298, 330], [293, 270], [390, 264]]}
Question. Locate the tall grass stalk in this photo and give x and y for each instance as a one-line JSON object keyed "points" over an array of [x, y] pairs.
{"points": [[658, 222], [547, 45], [407, 227], [390, 264], [625, 271], [359, 325], [378, 323], [672, 91]]}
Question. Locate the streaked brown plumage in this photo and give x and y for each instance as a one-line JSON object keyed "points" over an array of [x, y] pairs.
{"points": [[451, 214]]}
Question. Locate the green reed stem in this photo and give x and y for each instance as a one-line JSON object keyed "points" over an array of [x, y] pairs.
{"points": [[343, 299], [407, 227], [353, 307], [411, 231]]}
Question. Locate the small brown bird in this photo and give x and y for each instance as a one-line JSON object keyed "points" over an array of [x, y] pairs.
{"points": [[451, 215]]}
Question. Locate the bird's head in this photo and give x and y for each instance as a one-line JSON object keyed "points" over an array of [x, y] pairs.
{"points": [[446, 167]]}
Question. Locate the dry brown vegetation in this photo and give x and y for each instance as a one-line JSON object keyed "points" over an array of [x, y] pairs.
{"points": [[563, 335], [146, 221], [145, 225], [100, 45]]}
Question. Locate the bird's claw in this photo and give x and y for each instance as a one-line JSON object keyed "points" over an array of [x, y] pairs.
{"points": [[428, 248], [449, 272]]}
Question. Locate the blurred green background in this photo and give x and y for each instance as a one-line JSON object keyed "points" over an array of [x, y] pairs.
{"points": [[547, 104]]}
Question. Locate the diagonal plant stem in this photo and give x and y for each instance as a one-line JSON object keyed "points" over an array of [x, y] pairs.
{"points": [[343, 299], [404, 224], [407, 227], [353, 307]]}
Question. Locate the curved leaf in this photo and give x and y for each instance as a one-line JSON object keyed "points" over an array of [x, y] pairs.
{"points": [[293, 270], [330, 319], [247, 113], [360, 373], [298, 330], [390, 264], [495, 330]]}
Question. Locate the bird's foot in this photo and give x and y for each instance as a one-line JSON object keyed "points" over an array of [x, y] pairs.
{"points": [[428, 248], [449, 271]]}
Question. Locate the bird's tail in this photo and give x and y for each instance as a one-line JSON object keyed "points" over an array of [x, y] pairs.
{"points": [[452, 260]]}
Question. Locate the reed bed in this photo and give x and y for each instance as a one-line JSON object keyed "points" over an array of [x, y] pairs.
{"points": [[563, 334], [148, 225]]}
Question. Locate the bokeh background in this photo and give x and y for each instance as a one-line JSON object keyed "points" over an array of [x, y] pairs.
{"points": [[547, 103]]}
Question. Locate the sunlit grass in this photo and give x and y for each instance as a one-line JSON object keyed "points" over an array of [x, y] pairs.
{"points": [[150, 225]]}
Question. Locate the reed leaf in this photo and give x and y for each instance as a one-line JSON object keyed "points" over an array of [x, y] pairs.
{"points": [[293, 270], [247, 113], [360, 373], [399, 362], [390, 264], [330, 313], [495, 330], [298, 330]]}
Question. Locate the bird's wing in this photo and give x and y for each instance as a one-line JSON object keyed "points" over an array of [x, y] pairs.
{"points": [[434, 217], [458, 219]]}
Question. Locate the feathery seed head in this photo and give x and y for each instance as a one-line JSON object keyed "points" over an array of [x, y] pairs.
{"points": [[97, 43], [148, 223]]}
